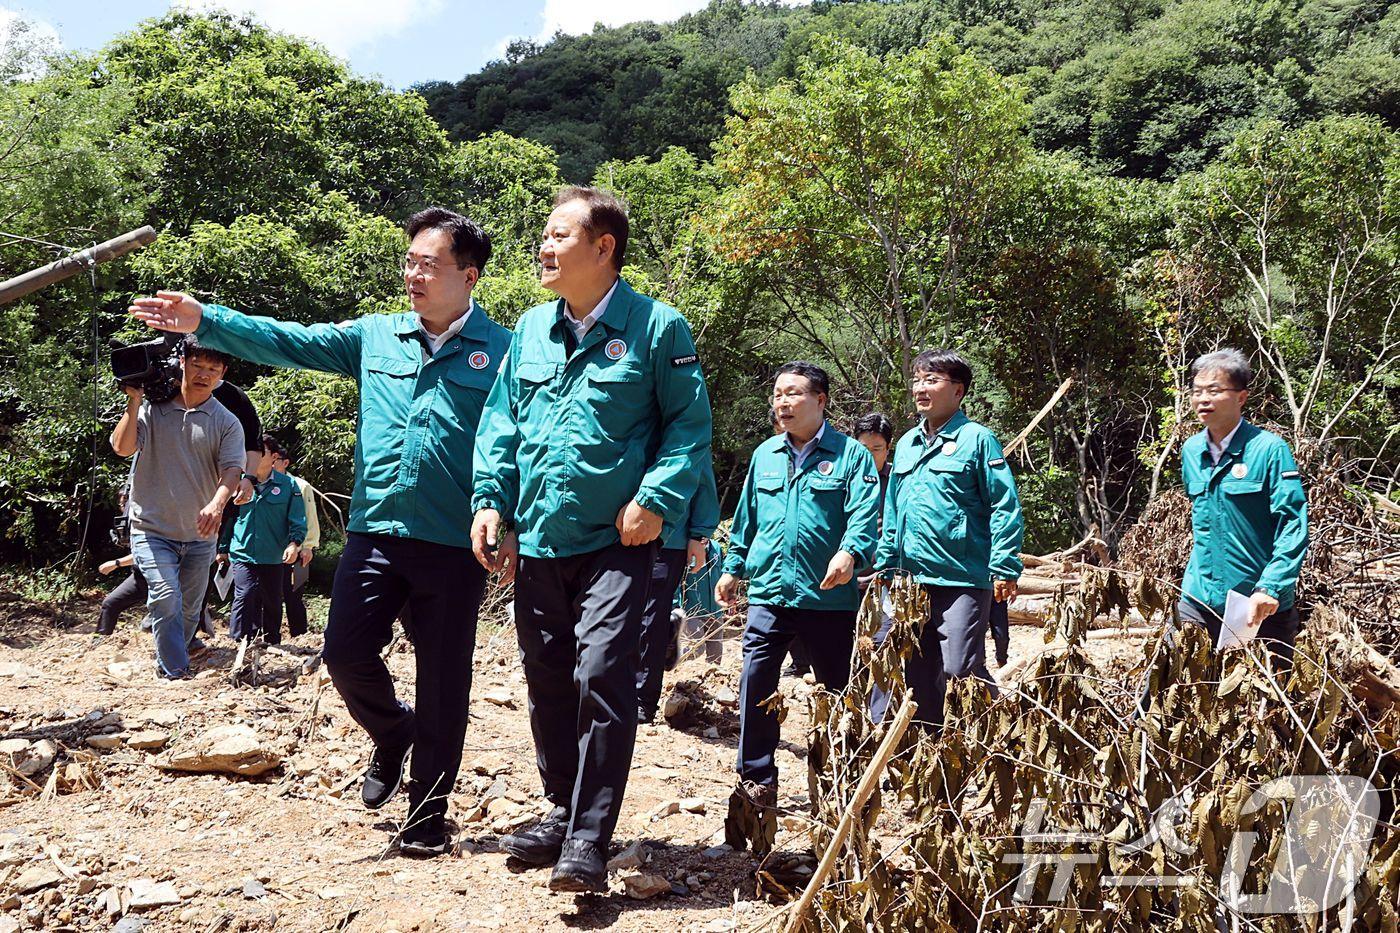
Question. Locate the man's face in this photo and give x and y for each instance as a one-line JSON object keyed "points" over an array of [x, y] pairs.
{"points": [[1217, 402], [568, 256], [936, 396], [201, 373], [877, 445], [437, 288], [280, 463], [799, 407]]}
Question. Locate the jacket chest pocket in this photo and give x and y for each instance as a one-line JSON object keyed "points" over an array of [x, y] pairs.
{"points": [[618, 394], [463, 377], [950, 476], [535, 378], [1247, 496], [825, 489], [769, 483], [464, 393], [387, 388]]}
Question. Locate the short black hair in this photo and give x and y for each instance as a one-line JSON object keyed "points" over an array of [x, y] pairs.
{"points": [[471, 245], [271, 444], [191, 347], [947, 363], [813, 373], [873, 423], [606, 214]]}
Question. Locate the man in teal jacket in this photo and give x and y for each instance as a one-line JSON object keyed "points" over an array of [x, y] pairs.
{"points": [[264, 539], [806, 521], [683, 549], [592, 446], [424, 379], [953, 521], [1249, 512]]}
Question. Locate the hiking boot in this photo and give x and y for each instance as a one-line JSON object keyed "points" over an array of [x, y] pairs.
{"points": [[426, 838], [581, 868], [541, 843], [383, 777]]}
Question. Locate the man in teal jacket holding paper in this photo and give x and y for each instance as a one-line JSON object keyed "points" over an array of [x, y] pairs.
{"points": [[1249, 512], [589, 453], [423, 378], [806, 521], [953, 521]]}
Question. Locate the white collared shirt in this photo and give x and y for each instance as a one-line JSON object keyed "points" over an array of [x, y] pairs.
{"points": [[435, 341], [1218, 450], [581, 328], [800, 454]]}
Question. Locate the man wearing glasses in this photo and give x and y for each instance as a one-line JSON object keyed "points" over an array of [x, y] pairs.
{"points": [[1249, 513], [805, 522], [953, 521], [424, 377]]}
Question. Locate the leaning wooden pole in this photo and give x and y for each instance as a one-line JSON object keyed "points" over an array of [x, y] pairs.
{"points": [[1020, 439], [69, 266], [868, 782]]}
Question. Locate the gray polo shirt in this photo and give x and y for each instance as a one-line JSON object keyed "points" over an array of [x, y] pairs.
{"points": [[180, 453]]}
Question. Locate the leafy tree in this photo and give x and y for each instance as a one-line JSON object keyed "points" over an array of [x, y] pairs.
{"points": [[1305, 225], [856, 189]]}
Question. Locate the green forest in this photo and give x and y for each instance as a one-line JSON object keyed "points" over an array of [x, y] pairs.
{"points": [[1095, 190]]}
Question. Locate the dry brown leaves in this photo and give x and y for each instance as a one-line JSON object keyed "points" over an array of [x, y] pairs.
{"points": [[1062, 771]]}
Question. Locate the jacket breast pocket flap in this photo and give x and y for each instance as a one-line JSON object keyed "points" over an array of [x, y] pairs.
{"points": [[535, 371], [391, 365], [769, 482]]}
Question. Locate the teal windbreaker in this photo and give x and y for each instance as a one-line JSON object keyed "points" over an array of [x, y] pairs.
{"points": [[567, 440], [417, 419], [789, 524], [1249, 518], [275, 518], [952, 516]]}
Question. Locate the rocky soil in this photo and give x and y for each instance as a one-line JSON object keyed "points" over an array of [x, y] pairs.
{"points": [[131, 803]]}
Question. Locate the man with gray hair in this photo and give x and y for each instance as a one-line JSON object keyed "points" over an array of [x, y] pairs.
{"points": [[1249, 513]]}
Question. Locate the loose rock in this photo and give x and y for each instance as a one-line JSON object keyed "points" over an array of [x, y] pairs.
{"points": [[634, 856], [148, 739], [36, 878], [224, 749], [146, 894], [645, 885]]}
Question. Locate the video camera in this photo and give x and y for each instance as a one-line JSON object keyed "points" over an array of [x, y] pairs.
{"points": [[152, 366]]}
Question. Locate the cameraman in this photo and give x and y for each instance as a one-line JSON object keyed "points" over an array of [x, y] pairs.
{"points": [[189, 457]]}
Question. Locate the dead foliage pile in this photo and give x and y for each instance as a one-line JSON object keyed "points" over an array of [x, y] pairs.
{"points": [[1046, 808]]}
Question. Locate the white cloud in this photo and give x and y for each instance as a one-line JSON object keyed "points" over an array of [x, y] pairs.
{"points": [[24, 44], [574, 18], [342, 26]]}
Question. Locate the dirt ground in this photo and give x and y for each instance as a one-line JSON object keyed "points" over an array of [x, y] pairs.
{"points": [[85, 842]]}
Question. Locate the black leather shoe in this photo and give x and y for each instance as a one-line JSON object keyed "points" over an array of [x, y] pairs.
{"points": [[540, 844], [645, 716], [426, 838], [383, 777], [581, 867]]}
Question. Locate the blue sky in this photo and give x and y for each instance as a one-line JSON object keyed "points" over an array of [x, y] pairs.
{"points": [[401, 41]]}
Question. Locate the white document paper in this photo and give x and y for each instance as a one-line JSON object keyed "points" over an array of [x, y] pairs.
{"points": [[1235, 631], [223, 579]]}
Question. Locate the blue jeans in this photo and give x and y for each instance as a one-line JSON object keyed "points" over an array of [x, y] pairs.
{"points": [[177, 573]]}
